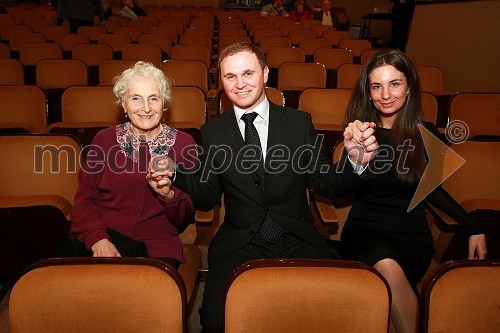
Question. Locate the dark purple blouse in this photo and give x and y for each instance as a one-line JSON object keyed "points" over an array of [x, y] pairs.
{"points": [[113, 192]]}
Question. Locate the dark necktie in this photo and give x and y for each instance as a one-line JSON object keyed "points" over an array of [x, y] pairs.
{"points": [[252, 139], [270, 230]]}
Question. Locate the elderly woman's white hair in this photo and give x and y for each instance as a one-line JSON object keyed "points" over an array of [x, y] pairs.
{"points": [[144, 69]]}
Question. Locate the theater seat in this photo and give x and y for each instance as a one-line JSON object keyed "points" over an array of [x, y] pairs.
{"points": [[461, 297], [98, 295], [39, 179], [299, 295], [478, 194], [480, 112], [327, 108]]}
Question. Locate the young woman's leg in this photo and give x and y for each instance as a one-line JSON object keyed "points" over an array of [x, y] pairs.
{"points": [[404, 310]]}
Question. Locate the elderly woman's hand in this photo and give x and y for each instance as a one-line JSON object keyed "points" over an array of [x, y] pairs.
{"points": [[104, 248], [477, 247], [160, 169]]}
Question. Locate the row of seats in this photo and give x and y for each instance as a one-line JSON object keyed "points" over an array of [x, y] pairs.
{"points": [[85, 109], [331, 59], [194, 27], [313, 295], [230, 25], [191, 30], [340, 71], [95, 55], [334, 69], [165, 37], [208, 30], [281, 52], [96, 104]]}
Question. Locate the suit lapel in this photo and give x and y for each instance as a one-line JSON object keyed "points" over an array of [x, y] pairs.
{"points": [[232, 130], [278, 123]]}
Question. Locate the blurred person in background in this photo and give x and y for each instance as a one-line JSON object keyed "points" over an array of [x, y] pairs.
{"points": [[300, 13], [81, 13], [327, 16]]}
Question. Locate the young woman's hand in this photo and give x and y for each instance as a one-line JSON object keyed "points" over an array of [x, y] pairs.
{"points": [[360, 142]]}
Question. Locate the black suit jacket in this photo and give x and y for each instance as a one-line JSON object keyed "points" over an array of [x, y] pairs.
{"points": [[294, 160], [335, 20]]}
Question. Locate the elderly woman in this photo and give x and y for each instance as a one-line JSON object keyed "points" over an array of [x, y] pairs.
{"points": [[119, 209]]}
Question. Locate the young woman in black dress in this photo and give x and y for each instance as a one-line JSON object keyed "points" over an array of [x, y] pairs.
{"points": [[379, 230]]}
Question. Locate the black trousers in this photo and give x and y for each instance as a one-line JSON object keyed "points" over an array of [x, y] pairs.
{"points": [[288, 246], [125, 245]]}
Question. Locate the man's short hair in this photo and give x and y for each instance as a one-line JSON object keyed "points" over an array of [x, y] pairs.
{"points": [[240, 47]]}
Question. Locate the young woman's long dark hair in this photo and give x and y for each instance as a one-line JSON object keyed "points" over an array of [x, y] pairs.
{"points": [[408, 118]]}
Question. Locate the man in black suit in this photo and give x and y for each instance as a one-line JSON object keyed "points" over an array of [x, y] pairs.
{"points": [[327, 16], [267, 213]]}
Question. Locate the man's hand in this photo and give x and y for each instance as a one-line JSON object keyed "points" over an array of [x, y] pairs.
{"points": [[360, 142]]}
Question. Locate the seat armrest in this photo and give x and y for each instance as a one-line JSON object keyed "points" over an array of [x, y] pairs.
{"points": [[475, 204], [202, 217], [326, 212], [325, 209], [443, 221], [36, 200], [212, 104], [447, 224], [212, 73], [212, 95]]}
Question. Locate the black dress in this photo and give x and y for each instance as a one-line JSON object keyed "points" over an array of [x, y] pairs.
{"points": [[379, 226]]}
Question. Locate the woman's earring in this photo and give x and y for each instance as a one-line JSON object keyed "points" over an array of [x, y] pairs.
{"points": [[407, 93], [126, 115]]}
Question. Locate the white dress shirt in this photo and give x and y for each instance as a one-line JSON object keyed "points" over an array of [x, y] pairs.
{"points": [[327, 19], [261, 122]]}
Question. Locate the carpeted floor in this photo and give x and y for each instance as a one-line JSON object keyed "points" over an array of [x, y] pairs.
{"points": [[193, 319]]}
